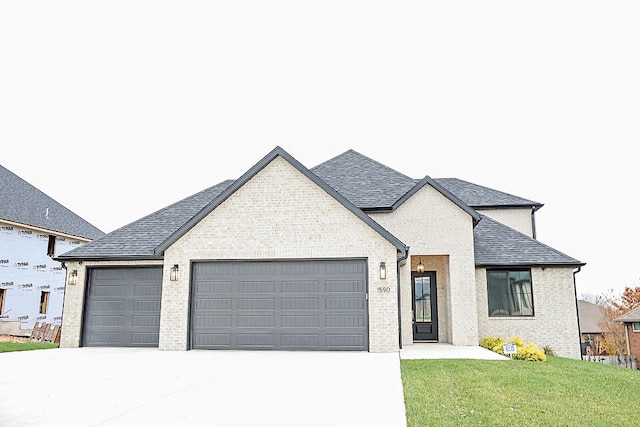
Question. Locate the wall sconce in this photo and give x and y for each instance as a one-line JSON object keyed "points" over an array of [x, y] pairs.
{"points": [[420, 266], [173, 274], [383, 271], [73, 278]]}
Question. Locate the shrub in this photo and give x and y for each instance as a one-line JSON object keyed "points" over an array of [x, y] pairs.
{"points": [[548, 350], [524, 351]]}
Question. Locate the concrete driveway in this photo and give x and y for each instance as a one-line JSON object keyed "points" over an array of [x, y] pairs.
{"points": [[130, 387]]}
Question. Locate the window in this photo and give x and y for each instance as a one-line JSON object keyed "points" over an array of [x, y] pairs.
{"points": [[635, 326], [51, 246], [44, 302], [510, 293]]}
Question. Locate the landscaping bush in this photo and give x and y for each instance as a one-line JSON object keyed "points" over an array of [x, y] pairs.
{"points": [[529, 351]]}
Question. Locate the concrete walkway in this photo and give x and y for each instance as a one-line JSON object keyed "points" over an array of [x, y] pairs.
{"points": [[138, 387], [448, 351]]}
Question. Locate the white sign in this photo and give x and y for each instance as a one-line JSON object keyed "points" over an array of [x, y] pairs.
{"points": [[509, 348]]}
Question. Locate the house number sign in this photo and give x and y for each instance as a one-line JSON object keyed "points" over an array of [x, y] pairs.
{"points": [[384, 289]]}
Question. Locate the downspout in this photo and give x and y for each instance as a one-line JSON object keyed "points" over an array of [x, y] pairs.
{"points": [[399, 261], [533, 222], [626, 331], [575, 294]]}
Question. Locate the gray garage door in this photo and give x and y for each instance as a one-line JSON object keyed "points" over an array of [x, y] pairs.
{"points": [[287, 305], [123, 307]]}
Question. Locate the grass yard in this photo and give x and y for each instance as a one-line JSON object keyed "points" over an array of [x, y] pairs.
{"points": [[560, 392], [22, 346]]}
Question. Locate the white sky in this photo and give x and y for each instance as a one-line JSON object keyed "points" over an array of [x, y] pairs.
{"points": [[117, 109]]}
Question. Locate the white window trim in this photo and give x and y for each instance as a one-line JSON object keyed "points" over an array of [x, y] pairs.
{"points": [[635, 326]]}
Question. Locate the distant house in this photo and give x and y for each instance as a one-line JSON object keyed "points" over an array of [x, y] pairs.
{"points": [[591, 333], [631, 322], [34, 228], [347, 255]]}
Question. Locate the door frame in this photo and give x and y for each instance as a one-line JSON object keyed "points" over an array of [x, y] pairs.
{"points": [[434, 305]]}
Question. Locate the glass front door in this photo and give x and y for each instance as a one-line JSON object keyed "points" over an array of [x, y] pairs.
{"points": [[425, 311]]}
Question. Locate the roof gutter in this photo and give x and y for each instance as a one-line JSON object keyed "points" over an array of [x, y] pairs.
{"points": [[575, 295], [403, 257]]}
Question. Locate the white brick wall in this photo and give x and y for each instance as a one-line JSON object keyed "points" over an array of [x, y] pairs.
{"points": [[516, 218], [431, 224], [281, 214], [555, 321]]}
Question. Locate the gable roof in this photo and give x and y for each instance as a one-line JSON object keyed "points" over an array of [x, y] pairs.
{"points": [[495, 244], [590, 317], [478, 196], [139, 239], [23, 203], [372, 186], [254, 171], [632, 316], [150, 236]]}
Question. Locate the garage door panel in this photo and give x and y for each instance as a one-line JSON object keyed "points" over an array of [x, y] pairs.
{"points": [[256, 340], [145, 339], [256, 304], [256, 287], [305, 305], [348, 304], [214, 287], [300, 321], [300, 341], [123, 307], [300, 286], [221, 340], [345, 286], [300, 303], [109, 291]]}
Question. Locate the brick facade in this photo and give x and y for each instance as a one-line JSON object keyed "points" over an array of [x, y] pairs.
{"points": [[555, 320], [281, 214], [432, 225], [634, 342]]}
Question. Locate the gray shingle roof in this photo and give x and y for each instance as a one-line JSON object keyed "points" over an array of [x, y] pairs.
{"points": [[25, 204], [371, 185], [590, 317], [496, 244], [478, 196], [140, 238], [632, 316], [363, 181]]}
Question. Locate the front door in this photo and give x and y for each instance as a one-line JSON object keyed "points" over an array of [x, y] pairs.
{"points": [[425, 308]]}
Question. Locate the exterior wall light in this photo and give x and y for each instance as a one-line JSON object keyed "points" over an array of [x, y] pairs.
{"points": [[420, 266], [73, 278], [173, 274], [383, 271]]}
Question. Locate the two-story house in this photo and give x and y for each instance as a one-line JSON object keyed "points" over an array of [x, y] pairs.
{"points": [[348, 255]]}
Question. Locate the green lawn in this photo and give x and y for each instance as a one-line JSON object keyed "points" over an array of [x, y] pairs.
{"points": [[560, 392], [22, 346]]}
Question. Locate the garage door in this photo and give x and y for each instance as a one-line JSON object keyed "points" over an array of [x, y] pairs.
{"points": [[123, 307], [286, 305]]}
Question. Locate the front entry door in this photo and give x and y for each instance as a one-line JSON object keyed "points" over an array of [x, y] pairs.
{"points": [[425, 307]]}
